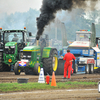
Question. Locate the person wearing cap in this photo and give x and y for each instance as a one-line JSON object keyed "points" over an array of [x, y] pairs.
{"points": [[68, 64]]}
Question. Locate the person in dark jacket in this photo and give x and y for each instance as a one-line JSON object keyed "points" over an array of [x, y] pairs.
{"points": [[68, 64]]}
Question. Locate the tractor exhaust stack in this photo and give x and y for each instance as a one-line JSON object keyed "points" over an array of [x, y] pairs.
{"points": [[37, 42]]}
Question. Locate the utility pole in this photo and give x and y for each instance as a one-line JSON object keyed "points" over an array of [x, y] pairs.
{"points": [[64, 35]]}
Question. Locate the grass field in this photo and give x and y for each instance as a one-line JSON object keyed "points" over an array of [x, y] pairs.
{"points": [[16, 87]]}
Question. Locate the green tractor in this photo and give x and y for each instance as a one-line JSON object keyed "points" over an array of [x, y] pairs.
{"points": [[12, 43], [37, 56]]}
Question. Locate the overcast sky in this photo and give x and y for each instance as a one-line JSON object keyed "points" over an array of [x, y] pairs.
{"points": [[11, 6]]}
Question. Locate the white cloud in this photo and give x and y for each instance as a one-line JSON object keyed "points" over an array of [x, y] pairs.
{"points": [[11, 6]]}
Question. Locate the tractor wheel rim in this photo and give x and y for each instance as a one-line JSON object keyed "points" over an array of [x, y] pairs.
{"points": [[55, 62], [39, 69], [19, 69]]}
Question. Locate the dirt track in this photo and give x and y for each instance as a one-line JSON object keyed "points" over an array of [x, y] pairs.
{"points": [[53, 95], [11, 77], [81, 93]]}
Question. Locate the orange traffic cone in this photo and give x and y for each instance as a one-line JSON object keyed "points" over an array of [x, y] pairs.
{"points": [[53, 81]]}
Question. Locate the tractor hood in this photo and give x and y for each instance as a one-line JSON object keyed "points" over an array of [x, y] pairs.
{"points": [[80, 44], [11, 44], [31, 48]]}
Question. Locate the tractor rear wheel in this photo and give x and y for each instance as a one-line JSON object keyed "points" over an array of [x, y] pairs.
{"points": [[1, 64], [1, 67], [17, 69], [50, 64], [6, 67]]}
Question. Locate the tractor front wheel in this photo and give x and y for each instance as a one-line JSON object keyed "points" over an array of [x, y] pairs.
{"points": [[17, 69], [37, 69]]}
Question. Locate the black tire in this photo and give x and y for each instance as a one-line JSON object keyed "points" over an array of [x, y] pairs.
{"points": [[91, 68], [29, 71], [97, 70], [48, 62], [87, 69], [37, 69], [60, 68], [1, 67], [6, 68], [76, 68], [1, 64], [33, 71], [26, 71], [16, 69]]}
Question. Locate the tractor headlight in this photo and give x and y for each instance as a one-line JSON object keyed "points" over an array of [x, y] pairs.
{"points": [[24, 56], [12, 47], [6, 47], [29, 56]]}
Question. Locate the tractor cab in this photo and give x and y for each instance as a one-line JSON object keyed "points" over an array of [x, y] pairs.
{"points": [[1, 39], [84, 39], [13, 41], [98, 42], [83, 35]]}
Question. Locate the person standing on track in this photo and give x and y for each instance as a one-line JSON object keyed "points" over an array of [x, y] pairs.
{"points": [[68, 64]]}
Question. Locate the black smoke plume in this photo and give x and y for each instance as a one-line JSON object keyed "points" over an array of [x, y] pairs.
{"points": [[50, 7]]}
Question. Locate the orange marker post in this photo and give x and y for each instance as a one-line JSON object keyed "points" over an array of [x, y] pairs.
{"points": [[53, 81]]}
